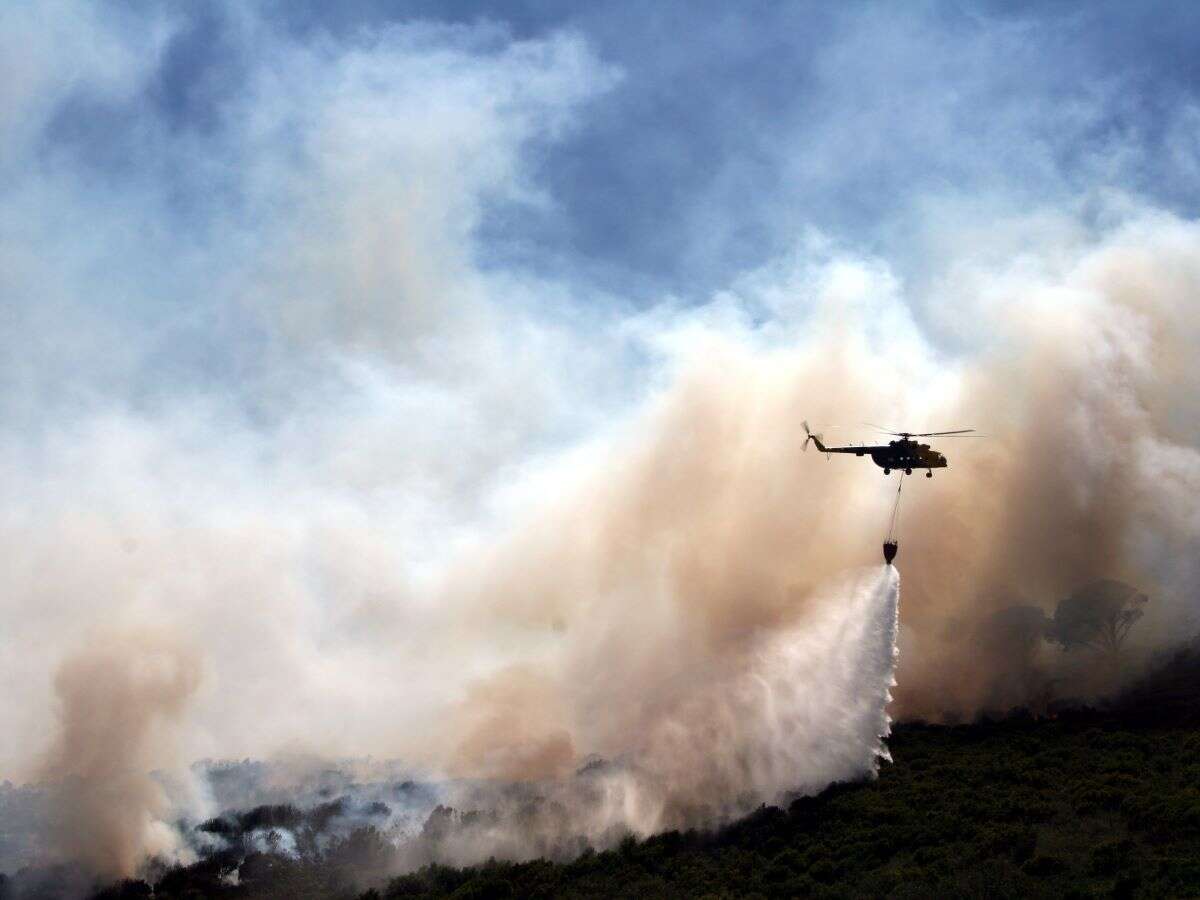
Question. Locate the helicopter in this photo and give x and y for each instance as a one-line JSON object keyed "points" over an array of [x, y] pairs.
{"points": [[903, 455]]}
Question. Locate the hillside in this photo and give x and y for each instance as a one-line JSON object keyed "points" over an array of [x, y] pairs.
{"points": [[1012, 809], [1085, 805], [1093, 802]]}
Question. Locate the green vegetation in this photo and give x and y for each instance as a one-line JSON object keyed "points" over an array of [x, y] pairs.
{"points": [[1086, 805]]}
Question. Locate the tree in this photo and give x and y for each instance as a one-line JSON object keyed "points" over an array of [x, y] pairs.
{"points": [[1098, 615]]}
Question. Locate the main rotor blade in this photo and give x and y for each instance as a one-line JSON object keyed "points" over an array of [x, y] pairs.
{"points": [[911, 434]]}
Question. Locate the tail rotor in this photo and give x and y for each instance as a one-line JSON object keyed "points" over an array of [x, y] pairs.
{"points": [[809, 436]]}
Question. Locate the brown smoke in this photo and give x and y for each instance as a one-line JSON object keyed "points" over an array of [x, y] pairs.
{"points": [[651, 579], [506, 736], [1065, 491], [120, 699], [627, 611], [657, 573]]}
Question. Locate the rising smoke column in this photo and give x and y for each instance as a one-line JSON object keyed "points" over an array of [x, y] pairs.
{"points": [[120, 701]]}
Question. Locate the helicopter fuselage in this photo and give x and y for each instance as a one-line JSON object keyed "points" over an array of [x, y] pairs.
{"points": [[905, 455]]}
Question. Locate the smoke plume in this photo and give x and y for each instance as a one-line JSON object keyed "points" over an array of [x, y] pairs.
{"points": [[120, 702], [639, 613], [301, 361]]}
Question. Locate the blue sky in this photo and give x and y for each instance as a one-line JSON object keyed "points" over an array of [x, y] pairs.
{"points": [[698, 145], [730, 126]]}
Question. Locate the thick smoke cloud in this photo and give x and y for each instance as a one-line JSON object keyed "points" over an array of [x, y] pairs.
{"points": [[714, 528], [1086, 394], [751, 726], [276, 414]]}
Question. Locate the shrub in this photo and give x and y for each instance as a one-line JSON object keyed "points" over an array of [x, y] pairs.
{"points": [[1044, 866], [1111, 856]]}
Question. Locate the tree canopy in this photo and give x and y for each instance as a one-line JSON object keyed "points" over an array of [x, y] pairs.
{"points": [[1098, 615]]}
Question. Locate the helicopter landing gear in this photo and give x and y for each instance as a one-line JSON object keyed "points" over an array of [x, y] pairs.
{"points": [[929, 474], [908, 471], [887, 471]]}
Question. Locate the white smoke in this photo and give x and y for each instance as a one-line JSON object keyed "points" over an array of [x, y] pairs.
{"points": [[295, 408], [802, 707]]}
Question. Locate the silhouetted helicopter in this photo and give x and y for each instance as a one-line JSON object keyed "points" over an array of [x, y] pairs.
{"points": [[903, 455]]}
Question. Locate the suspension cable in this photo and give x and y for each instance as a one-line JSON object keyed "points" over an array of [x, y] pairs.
{"points": [[891, 535]]}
